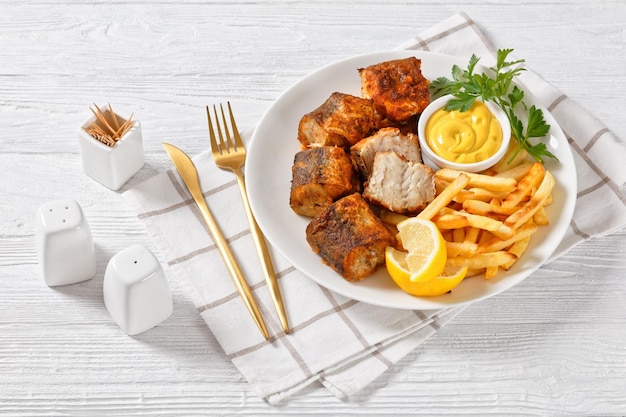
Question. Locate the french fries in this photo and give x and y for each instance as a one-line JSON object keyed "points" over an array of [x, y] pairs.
{"points": [[487, 182], [458, 182], [517, 172], [525, 185], [483, 260], [487, 219]]}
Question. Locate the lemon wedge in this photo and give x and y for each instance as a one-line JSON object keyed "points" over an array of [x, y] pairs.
{"points": [[427, 254], [396, 262]]}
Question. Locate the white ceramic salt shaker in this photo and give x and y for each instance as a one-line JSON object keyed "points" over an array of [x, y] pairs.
{"points": [[65, 247], [135, 289], [111, 166]]}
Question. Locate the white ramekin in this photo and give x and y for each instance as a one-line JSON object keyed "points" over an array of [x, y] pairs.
{"points": [[436, 162]]}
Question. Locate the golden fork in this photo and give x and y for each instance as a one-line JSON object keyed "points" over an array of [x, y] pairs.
{"points": [[232, 157]]}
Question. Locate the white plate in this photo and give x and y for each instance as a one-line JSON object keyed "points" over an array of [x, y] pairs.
{"points": [[268, 178]]}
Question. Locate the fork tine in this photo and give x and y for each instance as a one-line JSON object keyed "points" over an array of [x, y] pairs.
{"points": [[223, 147], [214, 147], [226, 143], [238, 142]]}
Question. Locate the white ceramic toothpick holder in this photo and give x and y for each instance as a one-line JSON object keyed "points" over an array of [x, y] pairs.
{"points": [[65, 247], [111, 166], [135, 289]]}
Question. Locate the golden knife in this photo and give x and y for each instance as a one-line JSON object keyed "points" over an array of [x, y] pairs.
{"points": [[189, 174]]}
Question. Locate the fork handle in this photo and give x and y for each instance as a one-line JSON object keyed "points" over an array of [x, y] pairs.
{"points": [[233, 267], [263, 254]]}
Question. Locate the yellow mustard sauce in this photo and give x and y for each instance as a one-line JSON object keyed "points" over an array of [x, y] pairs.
{"points": [[464, 137]]}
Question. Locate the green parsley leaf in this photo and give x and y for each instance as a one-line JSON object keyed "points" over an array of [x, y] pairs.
{"points": [[537, 127]]}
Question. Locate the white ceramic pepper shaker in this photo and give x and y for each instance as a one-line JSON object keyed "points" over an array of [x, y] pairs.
{"points": [[136, 291], [65, 247]]}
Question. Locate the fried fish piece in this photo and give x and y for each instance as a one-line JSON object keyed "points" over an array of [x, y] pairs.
{"points": [[350, 238], [397, 88], [386, 139], [398, 184], [319, 177], [342, 120]]}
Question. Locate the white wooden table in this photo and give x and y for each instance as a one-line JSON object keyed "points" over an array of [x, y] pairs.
{"points": [[548, 346]]}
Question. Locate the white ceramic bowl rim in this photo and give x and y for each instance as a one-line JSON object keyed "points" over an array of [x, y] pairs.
{"points": [[433, 159]]}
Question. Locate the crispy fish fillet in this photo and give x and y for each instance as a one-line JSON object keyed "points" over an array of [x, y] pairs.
{"points": [[398, 184], [342, 120], [349, 237], [319, 177], [386, 139], [397, 88]]}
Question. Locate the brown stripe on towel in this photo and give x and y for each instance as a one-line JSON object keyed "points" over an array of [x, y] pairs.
{"points": [[591, 189], [322, 314], [181, 190], [353, 328], [480, 34], [595, 138], [206, 249], [609, 183], [233, 295], [556, 102], [423, 43], [186, 199], [576, 230], [434, 323]]}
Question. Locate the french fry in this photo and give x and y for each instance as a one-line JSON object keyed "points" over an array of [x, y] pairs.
{"points": [[482, 260], [461, 248], [479, 180], [442, 200], [517, 249], [512, 158], [496, 244], [450, 270], [440, 185], [474, 272], [525, 185], [458, 235], [548, 200], [484, 236], [392, 218], [517, 172], [540, 217], [484, 222], [471, 236], [491, 271], [527, 211], [449, 221], [480, 194], [485, 209], [454, 205]]}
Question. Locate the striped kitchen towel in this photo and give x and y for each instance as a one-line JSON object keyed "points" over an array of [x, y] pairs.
{"points": [[342, 343]]}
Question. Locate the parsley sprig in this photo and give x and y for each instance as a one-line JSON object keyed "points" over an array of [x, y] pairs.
{"points": [[467, 86]]}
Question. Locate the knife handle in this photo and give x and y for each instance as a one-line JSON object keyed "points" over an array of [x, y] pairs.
{"points": [[233, 267], [263, 254]]}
